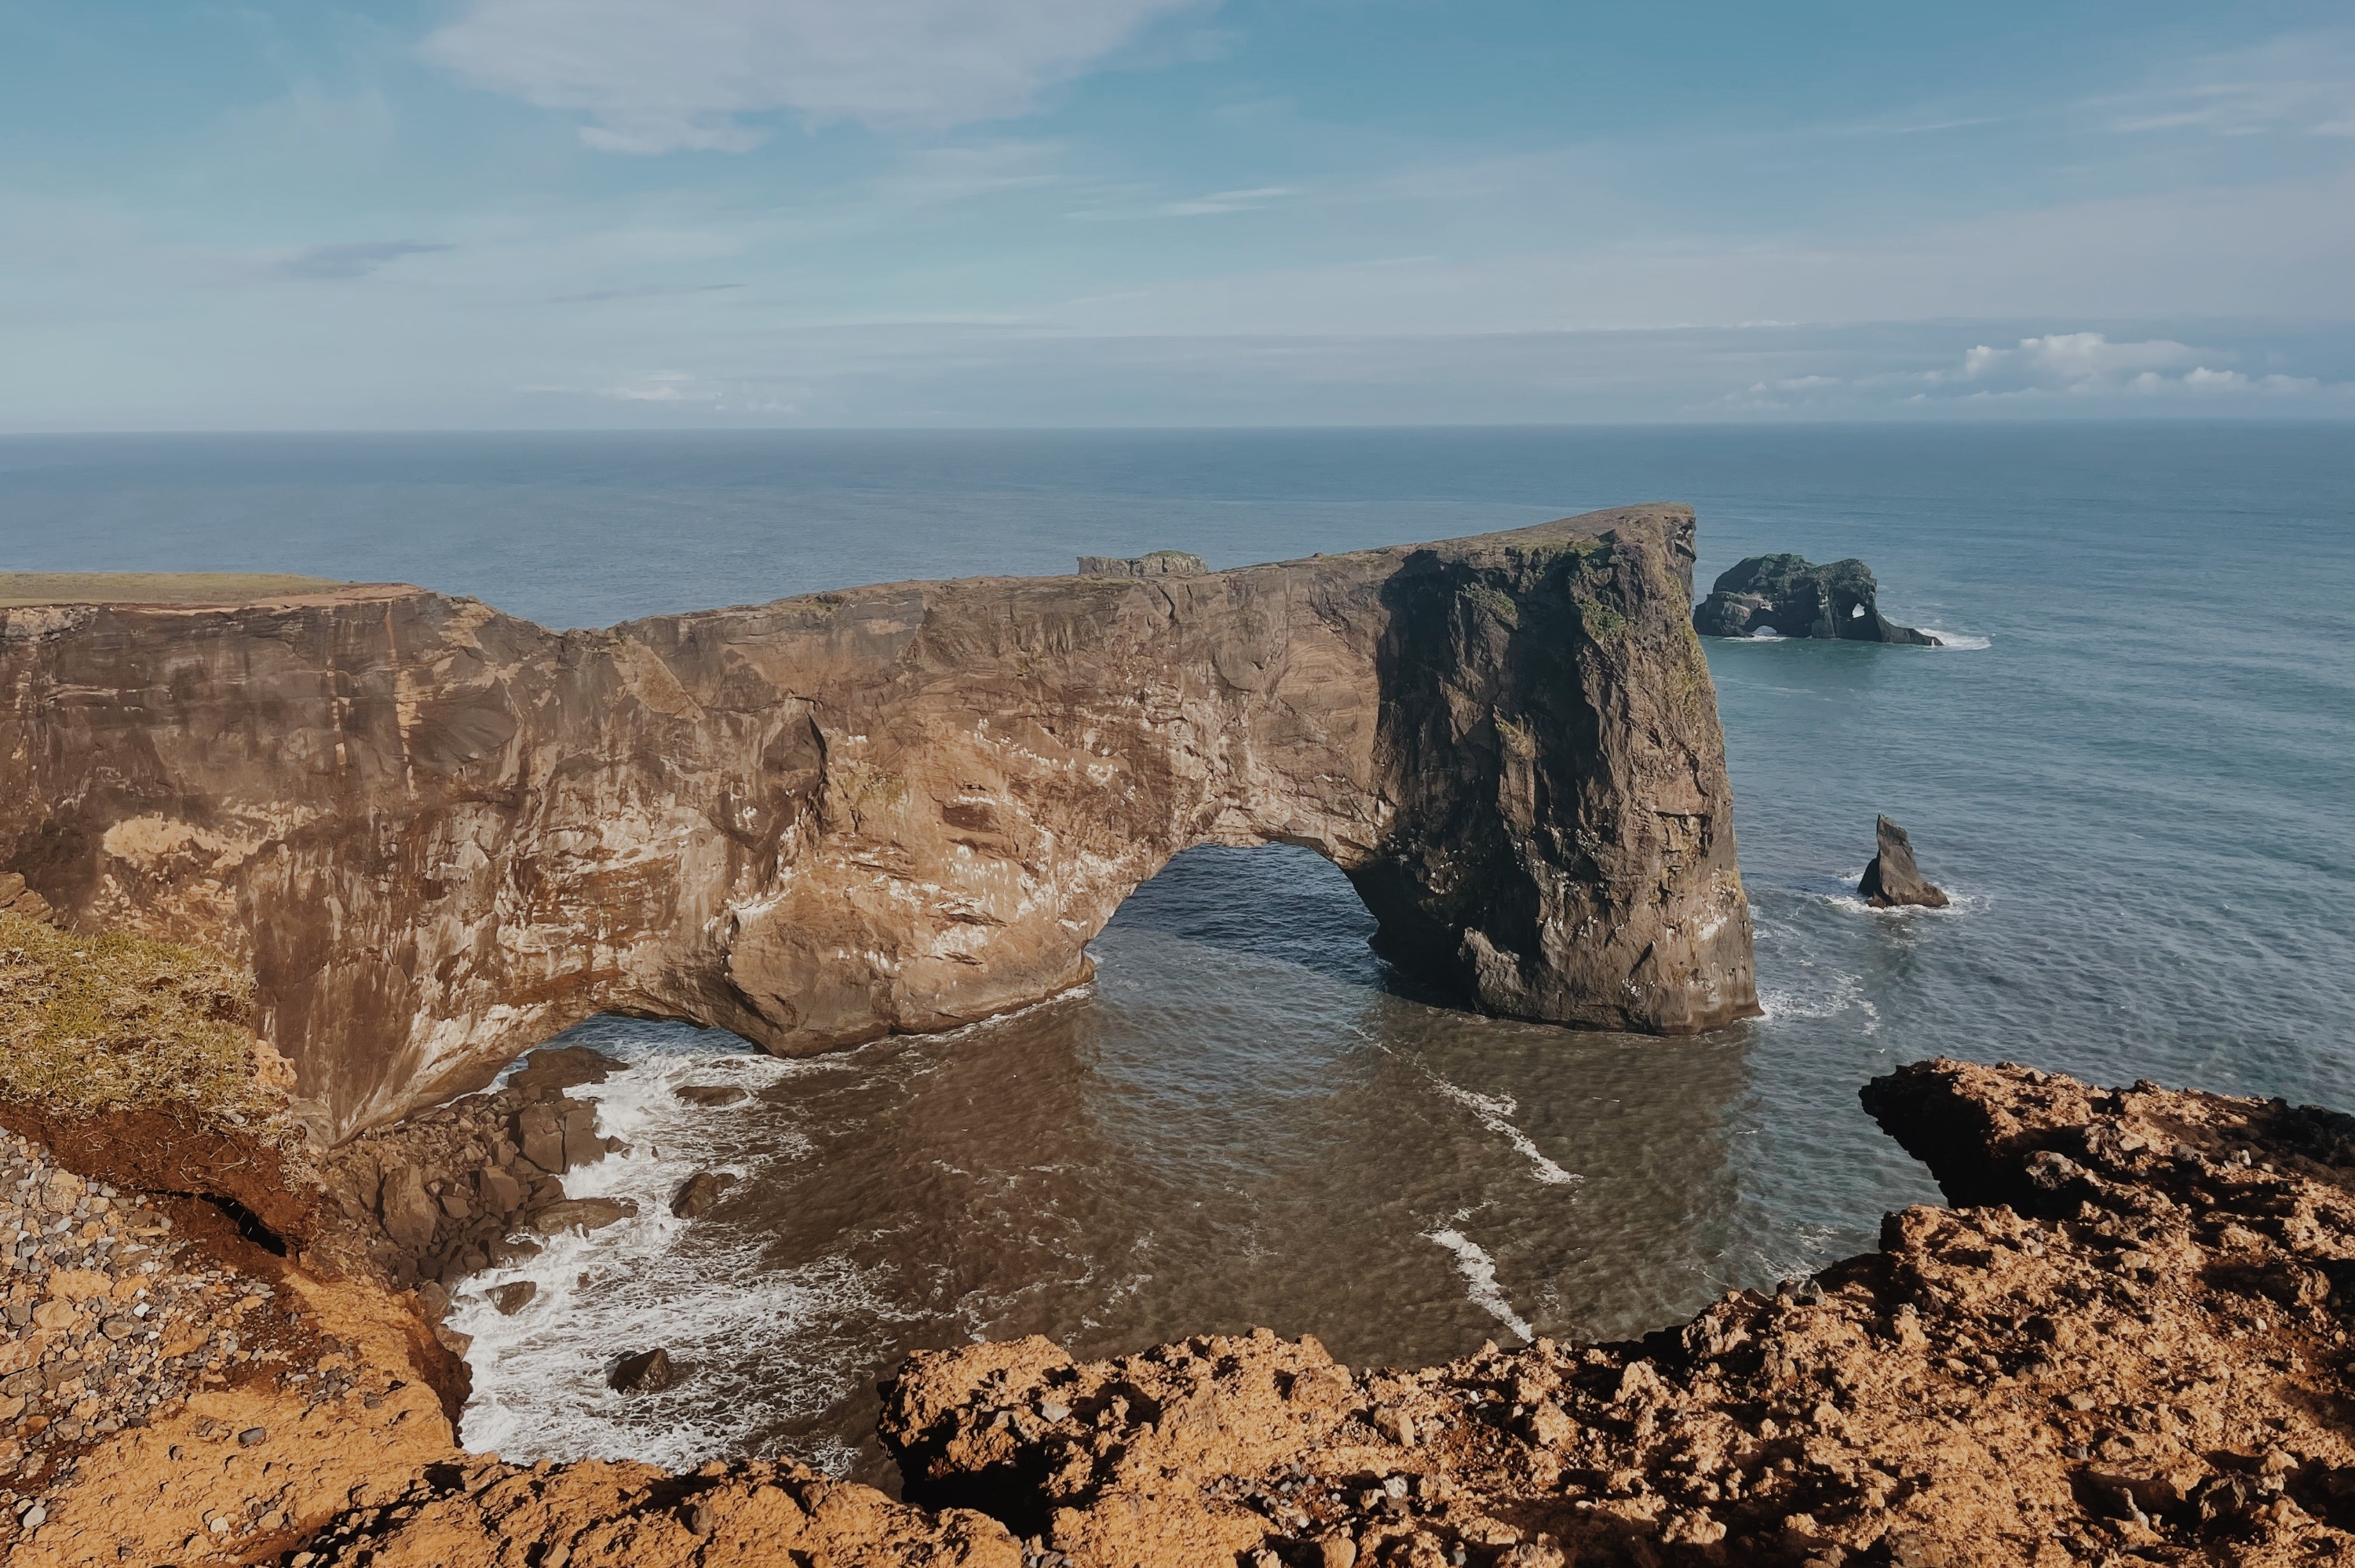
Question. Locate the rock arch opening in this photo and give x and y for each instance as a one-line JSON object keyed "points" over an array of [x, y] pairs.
{"points": [[1278, 902]]}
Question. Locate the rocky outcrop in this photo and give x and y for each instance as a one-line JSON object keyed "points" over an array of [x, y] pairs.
{"points": [[2130, 1348], [1159, 564], [1785, 595], [1892, 880], [437, 834], [2126, 1343], [16, 898], [449, 1193]]}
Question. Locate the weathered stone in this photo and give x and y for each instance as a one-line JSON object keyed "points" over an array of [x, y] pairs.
{"points": [[511, 1299], [1892, 879], [583, 1214], [540, 1127], [892, 808], [1159, 564], [582, 1144], [710, 1094], [700, 1191], [646, 1372], [409, 1217], [563, 1067], [501, 1194], [1789, 597]]}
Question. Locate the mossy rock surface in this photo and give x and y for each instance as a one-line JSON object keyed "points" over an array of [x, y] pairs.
{"points": [[90, 1024]]}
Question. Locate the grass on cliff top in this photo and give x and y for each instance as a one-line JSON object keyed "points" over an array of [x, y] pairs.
{"points": [[117, 1022], [153, 588]]}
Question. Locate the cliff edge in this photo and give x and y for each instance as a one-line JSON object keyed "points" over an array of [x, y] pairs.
{"points": [[438, 834]]}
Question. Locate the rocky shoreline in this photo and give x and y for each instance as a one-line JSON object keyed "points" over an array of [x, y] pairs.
{"points": [[2127, 1341]]}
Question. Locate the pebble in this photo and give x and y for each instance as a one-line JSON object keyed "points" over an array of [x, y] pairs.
{"points": [[109, 1315]]}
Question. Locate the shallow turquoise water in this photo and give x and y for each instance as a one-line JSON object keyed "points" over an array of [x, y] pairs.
{"points": [[2134, 779]]}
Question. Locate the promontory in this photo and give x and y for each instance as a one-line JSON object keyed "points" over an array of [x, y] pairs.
{"points": [[438, 834]]}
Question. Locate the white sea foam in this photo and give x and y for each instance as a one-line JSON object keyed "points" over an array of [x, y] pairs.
{"points": [[1479, 1271], [702, 1291], [1960, 642], [1493, 1111], [1837, 993]]}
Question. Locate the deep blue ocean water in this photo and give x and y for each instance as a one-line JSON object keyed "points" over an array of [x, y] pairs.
{"points": [[2133, 772]]}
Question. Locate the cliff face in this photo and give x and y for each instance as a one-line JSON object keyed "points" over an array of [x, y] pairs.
{"points": [[438, 833]]}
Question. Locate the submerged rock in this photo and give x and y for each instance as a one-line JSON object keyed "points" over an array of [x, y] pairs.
{"points": [[1892, 879], [513, 1299], [701, 1192], [1787, 595], [583, 1215], [710, 1094], [645, 1371]]}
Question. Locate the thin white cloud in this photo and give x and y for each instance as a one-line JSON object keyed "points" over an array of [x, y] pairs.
{"points": [[1227, 201], [2088, 365], [660, 76], [2300, 84], [663, 387], [341, 262]]}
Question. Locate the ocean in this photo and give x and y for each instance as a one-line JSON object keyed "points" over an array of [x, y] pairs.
{"points": [[2130, 768]]}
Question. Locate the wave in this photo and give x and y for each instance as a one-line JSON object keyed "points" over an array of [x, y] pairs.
{"points": [[1841, 993], [1492, 1111], [1960, 642], [696, 1290], [1479, 1271]]}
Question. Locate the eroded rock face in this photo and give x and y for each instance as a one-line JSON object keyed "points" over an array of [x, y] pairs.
{"points": [[1793, 598], [438, 833]]}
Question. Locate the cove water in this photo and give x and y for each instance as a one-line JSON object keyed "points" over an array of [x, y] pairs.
{"points": [[2131, 768]]}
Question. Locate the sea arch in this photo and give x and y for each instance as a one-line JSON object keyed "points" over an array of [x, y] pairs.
{"points": [[440, 834]]}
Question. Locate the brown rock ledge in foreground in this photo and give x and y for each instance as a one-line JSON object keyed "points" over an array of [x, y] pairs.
{"points": [[2135, 1352], [438, 834]]}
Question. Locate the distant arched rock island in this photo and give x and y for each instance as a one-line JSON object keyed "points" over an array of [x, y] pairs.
{"points": [[440, 834]]}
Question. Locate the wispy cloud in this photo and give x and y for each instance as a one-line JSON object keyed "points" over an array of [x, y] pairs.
{"points": [[662, 76], [2080, 368], [340, 262], [2302, 84], [649, 291], [1227, 201]]}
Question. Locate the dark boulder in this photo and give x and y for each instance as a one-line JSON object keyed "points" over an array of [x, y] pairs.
{"points": [[1892, 879], [563, 1067], [512, 1299], [710, 1094], [645, 1371], [701, 1192], [1788, 596]]}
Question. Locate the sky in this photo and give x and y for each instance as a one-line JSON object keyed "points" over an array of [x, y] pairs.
{"points": [[446, 213]]}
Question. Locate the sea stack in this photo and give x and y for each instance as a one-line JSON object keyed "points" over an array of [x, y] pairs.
{"points": [[1787, 596], [1892, 880]]}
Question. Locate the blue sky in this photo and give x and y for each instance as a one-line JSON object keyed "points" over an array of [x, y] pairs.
{"points": [[669, 212]]}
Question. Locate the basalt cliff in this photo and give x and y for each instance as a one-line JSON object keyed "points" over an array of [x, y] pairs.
{"points": [[437, 834]]}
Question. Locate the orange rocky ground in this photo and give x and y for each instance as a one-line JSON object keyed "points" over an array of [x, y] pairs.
{"points": [[2130, 1346]]}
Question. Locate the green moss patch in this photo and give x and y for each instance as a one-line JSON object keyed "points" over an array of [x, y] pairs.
{"points": [[155, 587], [116, 1022]]}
